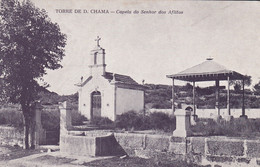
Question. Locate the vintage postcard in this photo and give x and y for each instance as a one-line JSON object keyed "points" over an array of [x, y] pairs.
{"points": [[142, 83]]}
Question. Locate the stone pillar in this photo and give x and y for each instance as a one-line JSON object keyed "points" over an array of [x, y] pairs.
{"points": [[65, 118], [182, 123]]}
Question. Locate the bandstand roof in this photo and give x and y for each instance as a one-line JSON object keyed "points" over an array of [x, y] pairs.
{"points": [[209, 70]]}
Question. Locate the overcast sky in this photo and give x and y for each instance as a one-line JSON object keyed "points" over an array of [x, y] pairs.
{"points": [[149, 47]]}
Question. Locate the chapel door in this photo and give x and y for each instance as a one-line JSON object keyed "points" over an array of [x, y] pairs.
{"points": [[95, 104]]}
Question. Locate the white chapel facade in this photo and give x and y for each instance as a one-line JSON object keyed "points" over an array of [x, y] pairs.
{"points": [[106, 94]]}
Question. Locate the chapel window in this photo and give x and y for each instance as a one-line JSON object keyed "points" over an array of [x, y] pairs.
{"points": [[95, 58]]}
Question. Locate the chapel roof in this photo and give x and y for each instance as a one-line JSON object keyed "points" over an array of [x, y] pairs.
{"points": [[120, 78], [206, 71]]}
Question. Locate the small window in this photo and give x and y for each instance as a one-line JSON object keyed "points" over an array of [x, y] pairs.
{"points": [[95, 58]]}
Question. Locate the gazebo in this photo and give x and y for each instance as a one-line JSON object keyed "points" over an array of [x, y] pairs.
{"points": [[209, 70]]}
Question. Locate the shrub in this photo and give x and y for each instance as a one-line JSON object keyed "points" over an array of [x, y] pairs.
{"points": [[11, 117], [50, 117], [207, 127], [242, 127], [162, 121], [146, 123], [102, 121], [77, 118], [235, 127], [157, 120], [129, 120]]}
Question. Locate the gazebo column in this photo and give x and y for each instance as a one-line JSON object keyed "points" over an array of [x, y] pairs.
{"points": [[228, 117], [217, 100], [243, 100], [217, 97], [173, 98], [228, 96], [194, 116]]}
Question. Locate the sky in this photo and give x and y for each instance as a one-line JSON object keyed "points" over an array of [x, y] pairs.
{"points": [[150, 46]]}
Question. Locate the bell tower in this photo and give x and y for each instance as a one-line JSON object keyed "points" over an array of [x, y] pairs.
{"points": [[97, 66]]}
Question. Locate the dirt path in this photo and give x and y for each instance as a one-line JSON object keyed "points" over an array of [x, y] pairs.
{"points": [[17, 157]]}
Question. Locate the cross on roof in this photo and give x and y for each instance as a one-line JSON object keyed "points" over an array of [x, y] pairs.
{"points": [[98, 39]]}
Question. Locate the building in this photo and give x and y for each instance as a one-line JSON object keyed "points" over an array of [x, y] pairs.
{"points": [[105, 93], [210, 70]]}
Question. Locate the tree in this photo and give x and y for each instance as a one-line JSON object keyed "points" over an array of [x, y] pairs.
{"points": [[30, 44], [257, 88], [239, 83]]}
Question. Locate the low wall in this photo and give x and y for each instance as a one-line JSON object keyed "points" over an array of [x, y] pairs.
{"points": [[134, 143], [211, 113], [215, 150], [201, 150], [13, 136], [224, 150], [89, 145], [78, 145]]}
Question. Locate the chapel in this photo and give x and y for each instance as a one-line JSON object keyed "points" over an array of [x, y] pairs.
{"points": [[107, 94]]}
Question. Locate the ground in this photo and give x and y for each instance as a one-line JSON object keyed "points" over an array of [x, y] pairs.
{"points": [[17, 157], [9, 153]]}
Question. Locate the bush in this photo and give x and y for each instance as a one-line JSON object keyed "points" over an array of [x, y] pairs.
{"points": [[129, 120], [77, 118], [242, 127], [102, 121], [162, 121], [235, 127], [132, 120], [50, 117], [11, 117], [207, 127]]}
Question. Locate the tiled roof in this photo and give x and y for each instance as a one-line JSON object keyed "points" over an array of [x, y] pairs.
{"points": [[206, 67], [120, 78], [206, 71]]}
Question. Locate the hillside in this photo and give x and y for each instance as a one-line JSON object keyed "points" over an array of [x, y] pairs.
{"points": [[159, 96]]}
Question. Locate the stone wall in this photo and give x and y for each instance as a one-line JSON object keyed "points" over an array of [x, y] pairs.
{"points": [[90, 145], [225, 150], [11, 136], [202, 150], [219, 150], [143, 145]]}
